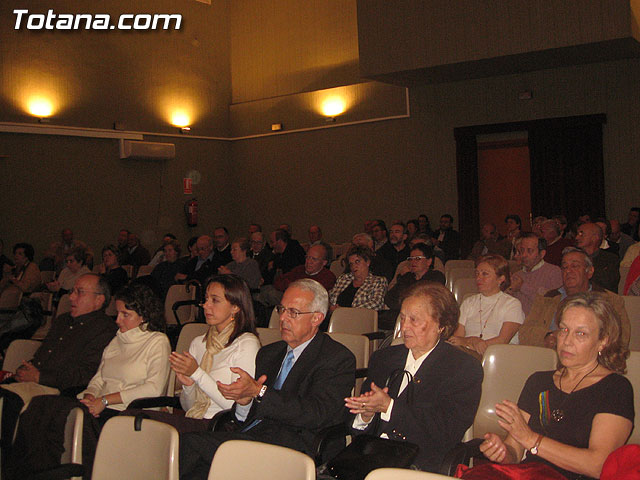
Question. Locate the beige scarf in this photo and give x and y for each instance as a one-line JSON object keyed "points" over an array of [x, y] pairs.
{"points": [[216, 341]]}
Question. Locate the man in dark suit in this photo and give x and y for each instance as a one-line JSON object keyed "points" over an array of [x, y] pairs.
{"points": [[447, 238], [203, 266], [299, 386]]}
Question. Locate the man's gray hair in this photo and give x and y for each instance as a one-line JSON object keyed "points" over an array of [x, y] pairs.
{"points": [[587, 259], [320, 302]]}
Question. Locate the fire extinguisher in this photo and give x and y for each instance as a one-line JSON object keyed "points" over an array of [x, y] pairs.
{"points": [[191, 211]]}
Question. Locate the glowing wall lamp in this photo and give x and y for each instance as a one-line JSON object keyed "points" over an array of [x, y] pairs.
{"points": [[332, 107], [180, 119], [40, 107]]}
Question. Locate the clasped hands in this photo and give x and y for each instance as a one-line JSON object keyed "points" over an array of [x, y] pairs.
{"points": [[510, 418], [27, 373], [244, 389], [94, 404], [367, 404]]}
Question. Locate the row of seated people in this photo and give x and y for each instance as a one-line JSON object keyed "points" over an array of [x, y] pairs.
{"points": [[365, 283], [425, 391]]}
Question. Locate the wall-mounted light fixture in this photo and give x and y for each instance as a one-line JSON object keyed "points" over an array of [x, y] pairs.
{"points": [[333, 106], [40, 107]]}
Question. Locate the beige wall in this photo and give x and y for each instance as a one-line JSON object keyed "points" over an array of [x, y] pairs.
{"points": [[336, 177]]}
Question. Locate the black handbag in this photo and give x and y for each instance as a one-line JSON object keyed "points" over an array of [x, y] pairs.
{"points": [[367, 452]]}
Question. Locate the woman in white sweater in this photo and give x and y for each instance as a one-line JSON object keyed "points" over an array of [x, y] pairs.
{"points": [[490, 316]]}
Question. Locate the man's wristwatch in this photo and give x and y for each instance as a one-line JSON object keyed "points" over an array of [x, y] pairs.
{"points": [[534, 449], [261, 393], [104, 401]]}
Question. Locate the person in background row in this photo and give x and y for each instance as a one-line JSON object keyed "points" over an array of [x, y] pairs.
{"points": [[447, 238], [491, 316], [135, 254], [165, 272], [75, 268], [241, 265], [490, 243], [158, 256], [25, 275], [115, 275]]}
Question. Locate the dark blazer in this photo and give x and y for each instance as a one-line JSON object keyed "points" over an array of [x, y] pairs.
{"points": [[311, 398], [446, 394], [450, 244]]}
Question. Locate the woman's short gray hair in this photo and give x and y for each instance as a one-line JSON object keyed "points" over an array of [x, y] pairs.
{"points": [[320, 302]]}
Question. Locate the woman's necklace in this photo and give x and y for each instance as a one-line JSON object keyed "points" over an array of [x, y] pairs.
{"points": [[482, 326], [558, 414]]}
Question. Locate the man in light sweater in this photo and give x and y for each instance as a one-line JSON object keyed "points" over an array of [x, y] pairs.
{"points": [[537, 276]]}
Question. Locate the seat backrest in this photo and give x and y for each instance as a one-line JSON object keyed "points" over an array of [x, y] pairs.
{"points": [[177, 293], [451, 264], [268, 335], [457, 273], [462, 287], [274, 320], [633, 374], [10, 298], [336, 267], [402, 474], [18, 351], [145, 270], [64, 305], [353, 320], [358, 344], [624, 272], [46, 302], [148, 454], [73, 437], [506, 369], [632, 306], [47, 276], [267, 462], [187, 334]]}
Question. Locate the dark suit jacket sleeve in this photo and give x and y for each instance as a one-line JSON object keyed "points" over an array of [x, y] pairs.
{"points": [[313, 395]]}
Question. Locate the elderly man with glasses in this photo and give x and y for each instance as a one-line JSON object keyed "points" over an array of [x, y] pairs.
{"points": [[299, 386], [69, 355]]}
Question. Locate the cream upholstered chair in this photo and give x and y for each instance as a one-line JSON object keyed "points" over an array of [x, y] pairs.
{"points": [[46, 302], [633, 374], [462, 287], [149, 452], [186, 313], [266, 462], [353, 320], [129, 269], [268, 335], [624, 272], [455, 274], [451, 264], [402, 474], [10, 298], [64, 305], [73, 438], [274, 320], [18, 351], [336, 267], [632, 306], [144, 270], [359, 345], [506, 369]]}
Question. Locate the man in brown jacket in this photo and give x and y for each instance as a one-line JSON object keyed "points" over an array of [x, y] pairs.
{"points": [[540, 326]]}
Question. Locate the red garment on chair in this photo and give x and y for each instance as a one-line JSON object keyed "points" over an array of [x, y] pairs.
{"points": [[634, 272], [622, 464], [520, 471]]}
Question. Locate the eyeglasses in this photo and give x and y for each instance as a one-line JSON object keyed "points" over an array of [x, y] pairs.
{"points": [[417, 257], [314, 259], [292, 312], [81, 291]]}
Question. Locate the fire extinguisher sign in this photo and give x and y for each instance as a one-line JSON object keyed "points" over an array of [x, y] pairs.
{"points": [[187, 186]]}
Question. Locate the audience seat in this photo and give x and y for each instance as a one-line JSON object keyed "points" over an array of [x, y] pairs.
{"points": [[18, 351], [46, 302], [337, 268], [246, 460], [353, 320], [462, 287], [10, 299], [180, 304], [274, 319], [47, 276], [268, 335], [144, 270], [403, 474], [64, 305], [624, 272], [359, 345], [451, 264], [129, 269], [632, 306], [454, 274]]}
